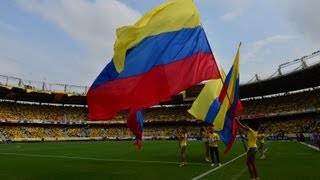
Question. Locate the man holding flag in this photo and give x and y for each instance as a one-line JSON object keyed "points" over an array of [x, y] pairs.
{"points": [[252, 134]]}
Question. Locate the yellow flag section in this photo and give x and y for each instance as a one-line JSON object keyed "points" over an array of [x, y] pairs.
{"points": [[216, 98], [173, 14], [208, 94]]}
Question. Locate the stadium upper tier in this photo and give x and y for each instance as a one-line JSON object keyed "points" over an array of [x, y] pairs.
{"points": [[306, 102], [304, 73]]}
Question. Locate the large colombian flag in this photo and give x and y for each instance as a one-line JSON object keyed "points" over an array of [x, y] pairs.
{"points": [[162, 54], [218, 104]]}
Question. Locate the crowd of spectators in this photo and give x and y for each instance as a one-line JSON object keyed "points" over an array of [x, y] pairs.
{"points": [[33, 112], [289, 126], [163, 131], [35, 131], [282, 103]]}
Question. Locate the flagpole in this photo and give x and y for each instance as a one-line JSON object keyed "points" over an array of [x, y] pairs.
{"points": [[242, 139], [217, 64], [240, 132], [214, 60]]}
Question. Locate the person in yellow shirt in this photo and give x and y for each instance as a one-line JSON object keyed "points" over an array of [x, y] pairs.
{"points": [[205, 138], [318, 139], [183, 136], [252, 135], [213, 146], [261, 144]]}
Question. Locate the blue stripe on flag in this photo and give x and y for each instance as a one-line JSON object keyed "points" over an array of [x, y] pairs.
{"points": [[170, 47], [213, 111], [139, 115], [226, 133]]}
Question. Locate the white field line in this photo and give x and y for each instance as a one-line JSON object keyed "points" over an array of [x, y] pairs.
{"points": [[212, 170], [98, 159], [310, 146], [244, 169], [236, 177]]}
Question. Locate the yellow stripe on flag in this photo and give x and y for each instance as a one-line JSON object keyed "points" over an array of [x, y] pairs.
{"points": [[210, 91], [168, 17]]}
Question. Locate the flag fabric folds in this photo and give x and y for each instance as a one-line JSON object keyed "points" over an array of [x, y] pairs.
{"points": [[219, 104], [229, 105], [162, 54], [208, 94], [135, 124]]}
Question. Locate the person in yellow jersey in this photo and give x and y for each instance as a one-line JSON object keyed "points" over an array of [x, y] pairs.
{"points": [[252, 135], [261, 144], [213, 146], [183, 136], [318, 139], [205, 138]]}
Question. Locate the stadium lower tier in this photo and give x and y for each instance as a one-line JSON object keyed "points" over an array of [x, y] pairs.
{"points": [[165, 130]]}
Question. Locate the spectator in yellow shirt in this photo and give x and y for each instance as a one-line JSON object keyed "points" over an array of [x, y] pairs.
{"points": [[205, 138], [252, 135], [213, 146], [183, 136]]}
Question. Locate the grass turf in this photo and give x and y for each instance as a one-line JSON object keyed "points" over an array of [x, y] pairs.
{"points": [[156, 160]]}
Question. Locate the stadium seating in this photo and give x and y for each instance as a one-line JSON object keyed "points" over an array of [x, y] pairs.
{"points": [[294, 103]]}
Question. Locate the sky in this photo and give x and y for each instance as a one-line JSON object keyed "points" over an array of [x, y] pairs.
{"points": [[71, 41]]}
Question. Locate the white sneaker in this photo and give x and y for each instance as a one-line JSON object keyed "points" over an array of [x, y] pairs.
{"points": [[220, 164], [207, 159], [212, 164], [182, 164]]}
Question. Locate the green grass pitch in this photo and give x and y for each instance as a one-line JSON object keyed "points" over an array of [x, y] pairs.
{"points": [[156, 160]]}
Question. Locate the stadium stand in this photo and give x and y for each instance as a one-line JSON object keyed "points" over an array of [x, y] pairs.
{"points": [[284, 103]]}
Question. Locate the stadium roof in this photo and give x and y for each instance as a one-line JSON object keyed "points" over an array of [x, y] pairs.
{"points": [[301, 79]]}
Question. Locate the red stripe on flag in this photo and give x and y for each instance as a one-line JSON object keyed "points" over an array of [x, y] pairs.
{"points": [[150, 88]]}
